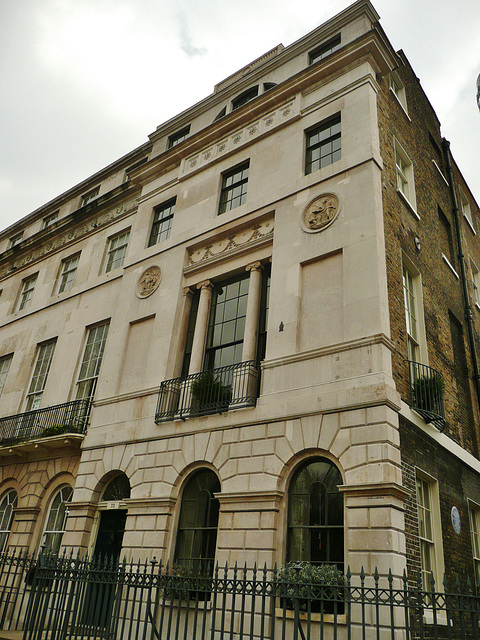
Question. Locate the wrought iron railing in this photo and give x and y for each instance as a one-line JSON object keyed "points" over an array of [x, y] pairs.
{"points": [[426, 388], [54, 598], [68, 417], [213, 391]]}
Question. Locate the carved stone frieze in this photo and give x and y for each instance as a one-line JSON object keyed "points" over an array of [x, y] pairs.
{"points": [[249, 132], [320, 213], [68, 236], [232, 243], [148, 282]]}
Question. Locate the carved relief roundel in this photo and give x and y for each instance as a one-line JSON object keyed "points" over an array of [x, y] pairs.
{"points": [[148, 282], [320, 213]]}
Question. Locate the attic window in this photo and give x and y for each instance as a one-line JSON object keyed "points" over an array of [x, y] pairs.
{"points": [[244, 97], [133, 167], [14, 240], [324, 49], [221, 114], [89, 196], [178, 136], [268, 85]]}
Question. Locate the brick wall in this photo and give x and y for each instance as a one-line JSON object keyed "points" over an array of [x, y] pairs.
{"points": [[419, 134]]}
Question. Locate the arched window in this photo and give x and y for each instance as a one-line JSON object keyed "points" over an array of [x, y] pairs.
{"points": [[197, 526], [315, 514], [56, 519], [7, 505], [117, 489]]}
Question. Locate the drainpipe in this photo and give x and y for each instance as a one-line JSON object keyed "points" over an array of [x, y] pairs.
{"points": [[463, 271]]}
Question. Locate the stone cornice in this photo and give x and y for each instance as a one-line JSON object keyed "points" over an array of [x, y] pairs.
{"points": [[375, 489], [52, 205], [92, 218], [362, 343], [371, 45]]}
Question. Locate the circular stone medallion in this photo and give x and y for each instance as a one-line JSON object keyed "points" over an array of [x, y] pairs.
{"points": [[148, 282], [320, 213]]}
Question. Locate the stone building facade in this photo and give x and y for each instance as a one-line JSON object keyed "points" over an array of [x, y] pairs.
{"points": [[229, 345]]}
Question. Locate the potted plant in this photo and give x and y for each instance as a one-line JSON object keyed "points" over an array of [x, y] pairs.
{"points": [[303, 584], [58, 430], [427, 393], [209, 394]]}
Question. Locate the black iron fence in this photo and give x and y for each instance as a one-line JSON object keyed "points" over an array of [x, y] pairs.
{"points": [[426, 386], [213, 391], [69, 417], [73, 598]]}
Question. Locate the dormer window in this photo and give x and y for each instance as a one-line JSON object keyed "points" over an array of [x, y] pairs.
{"points": [[178, 137], [244, 97], [89, 196], [324, 50]]}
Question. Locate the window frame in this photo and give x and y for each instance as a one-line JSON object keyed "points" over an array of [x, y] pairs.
{"points": [[15, 240], [6, 530], [178, 137], [322, 144], [60, 519], [26, 291], [474, 523], [331, 530], [397, 87], [162, 221], [475, 271], [88, 196], [434, 543], [212, 485], [89, 382], [416, 294], [116, 253], [239, 181], [325, 49], [246, 96], [5, 364], [64, 278], [41, 369], [466, 210], [405, 178], [49, 220]]}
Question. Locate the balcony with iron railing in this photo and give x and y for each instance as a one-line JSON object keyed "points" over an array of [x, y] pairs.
{"points": [[426, 391], [215, 391], [60, 419]]}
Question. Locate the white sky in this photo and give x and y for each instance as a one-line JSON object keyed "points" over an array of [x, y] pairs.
{"points": [[82, 82]]}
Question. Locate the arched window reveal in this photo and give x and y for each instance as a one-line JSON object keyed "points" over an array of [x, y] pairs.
{"points": [[198, 522], [315, 514]]}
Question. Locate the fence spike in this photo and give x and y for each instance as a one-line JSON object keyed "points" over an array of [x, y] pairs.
{"points": [[362, 576]]}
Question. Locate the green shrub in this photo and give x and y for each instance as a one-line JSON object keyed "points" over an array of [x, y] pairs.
{"points": [[302, 582], [209, 394], [58, 430], [427, 392]]}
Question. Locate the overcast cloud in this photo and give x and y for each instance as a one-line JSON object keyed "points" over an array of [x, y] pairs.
{"points": [[83, 82]]}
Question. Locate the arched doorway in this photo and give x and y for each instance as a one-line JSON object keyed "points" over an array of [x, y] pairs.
{"points": [[113, 516]]}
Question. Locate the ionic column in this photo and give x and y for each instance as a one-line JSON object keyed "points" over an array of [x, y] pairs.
{"points": [[201, 327], [182, 333], [253, 309]]}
